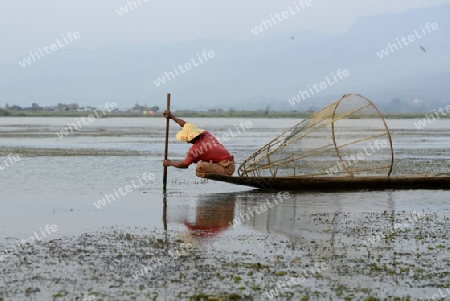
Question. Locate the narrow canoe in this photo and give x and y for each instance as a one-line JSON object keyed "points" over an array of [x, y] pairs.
{"points": [[432, 181]]}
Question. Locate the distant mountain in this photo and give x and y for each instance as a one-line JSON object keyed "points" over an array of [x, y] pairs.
{"points": [[249, 75]]}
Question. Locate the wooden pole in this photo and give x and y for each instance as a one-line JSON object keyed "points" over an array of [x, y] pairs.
{"points": [[166, 145]]}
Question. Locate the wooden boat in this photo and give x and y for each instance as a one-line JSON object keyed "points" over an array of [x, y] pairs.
{"points": [[319, 154], [304, 183]]}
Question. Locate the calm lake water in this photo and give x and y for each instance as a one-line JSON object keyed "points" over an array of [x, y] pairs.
{"points": [[58, 180]]}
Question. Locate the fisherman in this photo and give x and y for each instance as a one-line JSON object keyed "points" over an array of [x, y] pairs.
{"points": [[206, 151]]}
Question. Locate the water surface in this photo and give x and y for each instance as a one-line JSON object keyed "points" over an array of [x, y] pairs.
{"points": [[58, 180]]}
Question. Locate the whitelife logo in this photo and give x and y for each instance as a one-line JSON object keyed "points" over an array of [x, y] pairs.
{"points": [[391, 48], [188, 66], [108, 198], [266, 24], [225, 137], [31, 240], [430, 117], [11, 158], [436, 296], [413, 218], [281, 196], [302, 95], [86, 120], [360, 156], [34, 56], [131, 5]]}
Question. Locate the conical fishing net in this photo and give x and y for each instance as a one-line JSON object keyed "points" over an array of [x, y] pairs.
{"points": [[348, 137]]}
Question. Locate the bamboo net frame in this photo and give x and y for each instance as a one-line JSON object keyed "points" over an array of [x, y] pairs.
{"points": [[330, 142]]}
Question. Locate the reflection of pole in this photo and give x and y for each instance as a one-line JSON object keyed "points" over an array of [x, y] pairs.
{"points": [[391, 203], [338, 210], [166, 281], [166, 237], [165, 212]]}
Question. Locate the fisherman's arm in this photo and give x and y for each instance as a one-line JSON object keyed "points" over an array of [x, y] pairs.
{"points": [[177, 164]]}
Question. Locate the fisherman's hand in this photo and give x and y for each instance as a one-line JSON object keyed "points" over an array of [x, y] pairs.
{"points": [[167, 163], [168, 114]]}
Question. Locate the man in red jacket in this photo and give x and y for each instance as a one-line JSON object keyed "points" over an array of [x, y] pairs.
{"points": [[206, 150]]}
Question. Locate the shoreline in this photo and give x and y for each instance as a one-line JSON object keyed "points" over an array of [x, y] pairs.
{"points": [[235, 114]]}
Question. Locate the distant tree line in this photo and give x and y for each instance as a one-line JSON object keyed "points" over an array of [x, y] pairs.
{"points": [[68, 107]]}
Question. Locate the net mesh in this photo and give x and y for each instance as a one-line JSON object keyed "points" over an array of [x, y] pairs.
{"points": [[331, 142]]}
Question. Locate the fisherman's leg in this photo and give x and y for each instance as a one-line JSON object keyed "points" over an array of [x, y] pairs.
{"points": [[205, 167], [228, 167]]}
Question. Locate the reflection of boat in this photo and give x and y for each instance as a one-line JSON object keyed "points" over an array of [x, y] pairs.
{"points": [[440, 181], [324, 227]]}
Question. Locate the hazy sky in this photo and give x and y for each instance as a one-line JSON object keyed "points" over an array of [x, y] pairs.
{"points": [[28, 24]]}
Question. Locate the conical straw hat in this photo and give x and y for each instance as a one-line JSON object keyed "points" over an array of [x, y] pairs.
{"points": [[188, 132]]}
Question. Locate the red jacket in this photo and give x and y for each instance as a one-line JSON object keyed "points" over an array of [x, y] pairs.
{"points": [[207, 148]]}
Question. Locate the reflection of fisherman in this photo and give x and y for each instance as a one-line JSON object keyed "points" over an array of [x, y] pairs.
{"points": [[206, 151], [212, 216]]}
